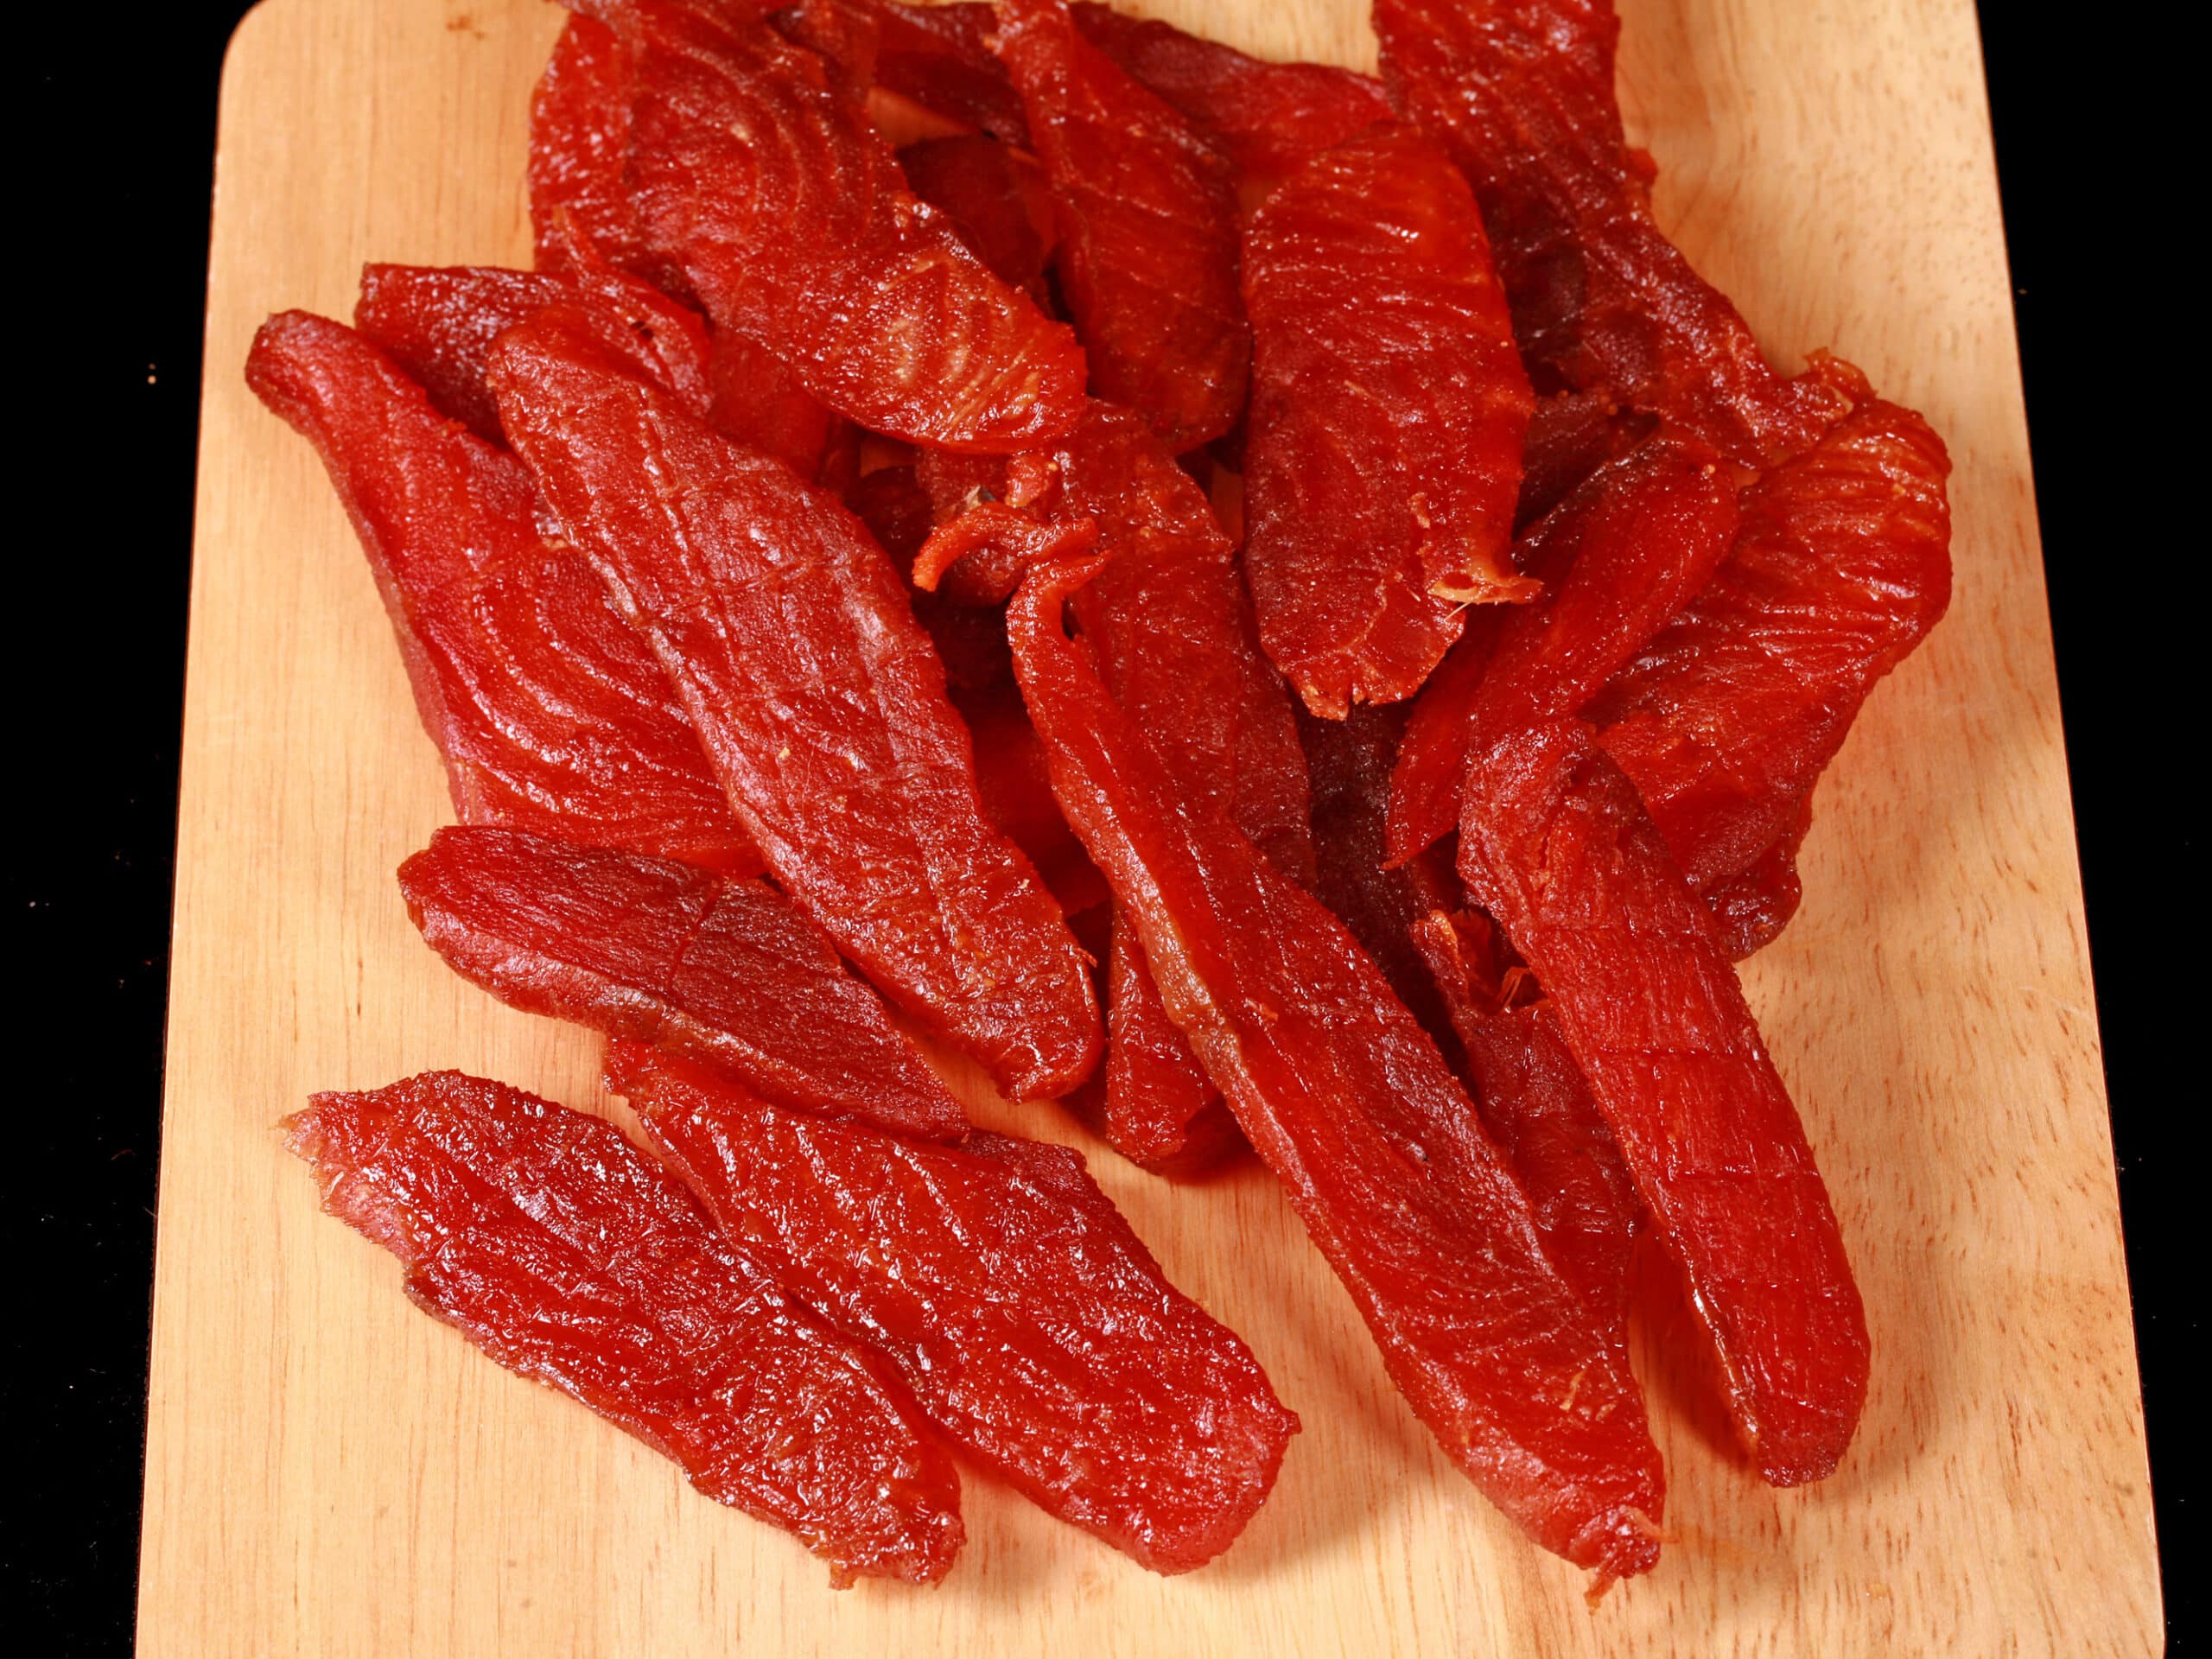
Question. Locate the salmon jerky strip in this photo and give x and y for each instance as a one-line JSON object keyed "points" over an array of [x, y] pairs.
{"points": [[820, 701], [1349, 1102], [788, 216], [570, 1258], [730, 974], [1388, 408], [1034, 1326], [551, 712]]}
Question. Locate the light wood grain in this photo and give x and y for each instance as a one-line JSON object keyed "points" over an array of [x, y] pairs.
{"points": [[328, 1473]]}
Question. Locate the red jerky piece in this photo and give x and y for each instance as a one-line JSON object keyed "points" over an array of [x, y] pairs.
{"points": [[1521, 93], [1172, 627], [439, 325], [1554, 844], [564, 1253], [1266, 118], [1536, 1105], [997, 199], [1440, 959], [844, 33], [729, 974], [1148, 255], [1841, 568], [1620, 556], [579, 141], [1383, 455], [940, 57], [1031, 1324], [1172, 631], [1349, 1102], [819, 700], [791, 221], [1162, 1111], [552, 714]]}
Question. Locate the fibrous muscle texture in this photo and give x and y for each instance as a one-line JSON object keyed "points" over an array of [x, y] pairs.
{"points": [[1032, 1325], [728, 973], [1148, 255], [1388, 405], [552, 714], [763, 184], [819, 699], [1350, 1104], [557, 1248]]}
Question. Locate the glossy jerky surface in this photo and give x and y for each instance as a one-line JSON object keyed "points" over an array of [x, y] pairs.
{"points": [[553, 715], [1147, 254], [1172, 628], [1265, 117], [1382, 457], [1555, 845], [1843, 564], [820, 702], [558, 1249], [997, 199], [1034, 1327], [1521, 93], [729, 974], [438, 325], [789, 218], [1349, 1102], [1625, 551], [579, 141]]}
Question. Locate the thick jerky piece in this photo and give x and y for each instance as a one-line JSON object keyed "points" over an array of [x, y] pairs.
{"points": [[1554, 844], [1147, 254], [1536, 1105], [1382, 455], [564, 1253], [998, 198], [819, 700], [1162, 1111], [791, 221], [1266, 118], [1031, 1324], [727, 972], [579, 140], [1172, 627], [1520, 92], [1173, 630], [1349, 1102], [1841, 568], [552, 714], [1620, 557], [439, 324]]}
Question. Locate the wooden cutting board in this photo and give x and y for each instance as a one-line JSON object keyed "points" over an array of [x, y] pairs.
{"points": [[330, 1472]]}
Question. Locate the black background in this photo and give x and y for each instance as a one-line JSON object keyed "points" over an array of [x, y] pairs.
{"points": [[110, 208]]}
